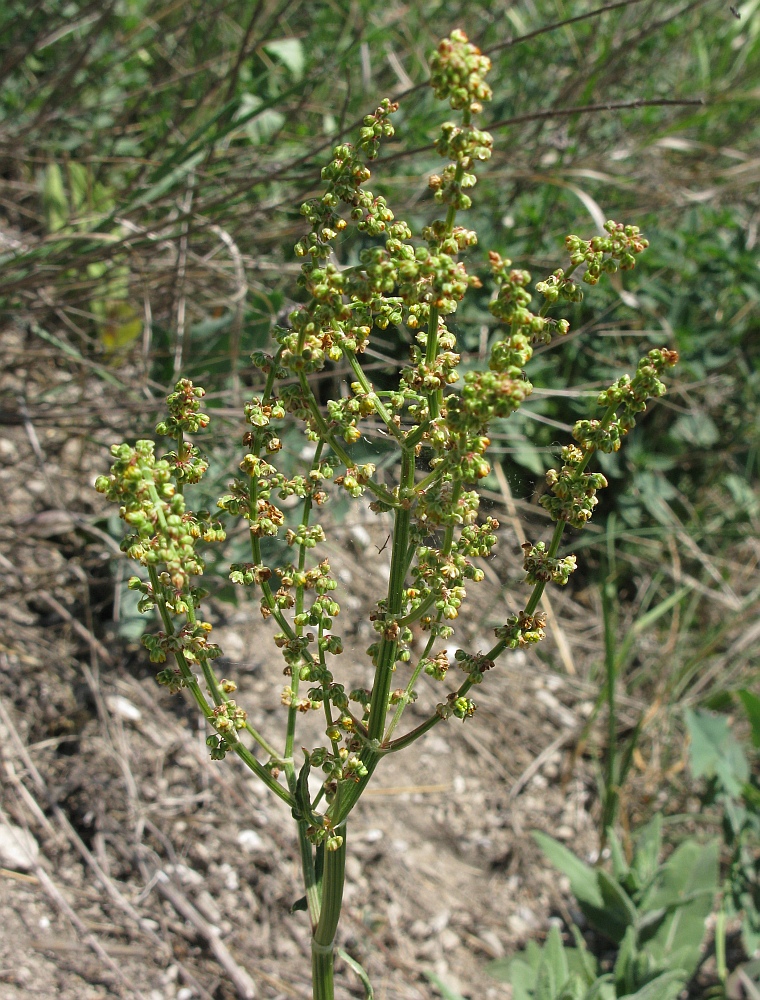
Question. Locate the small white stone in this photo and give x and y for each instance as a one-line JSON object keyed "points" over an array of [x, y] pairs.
{"points": [[18, 848], [250, 841], [232, 643], [490, 938], [185, 993], [8, 451], [449, 940], [230, 876], [372, 836], [44, 923], [186, 875], [440, 921], [123, 707]]}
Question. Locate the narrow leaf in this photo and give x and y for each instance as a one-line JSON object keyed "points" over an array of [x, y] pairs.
{"points": [[664, 987], [360, 971], [582, 876]]}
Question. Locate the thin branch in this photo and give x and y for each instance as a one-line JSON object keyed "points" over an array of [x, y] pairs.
{"points": [[559, 24]]}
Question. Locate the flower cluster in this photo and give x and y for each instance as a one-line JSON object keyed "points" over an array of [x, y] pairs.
{"points": [[438, 421], [457, 72], [165, 531], [540, 567], [521, 629], [573, 491]]}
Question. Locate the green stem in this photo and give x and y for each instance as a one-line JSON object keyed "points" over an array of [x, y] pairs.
{"points": [[431, 348], [295, 677], [386, 656], [366, 385], [611, 783], [200, 699], [180, 439], [418, 613], [448, 541], [310, 882], [323, 939], [409, 688]]}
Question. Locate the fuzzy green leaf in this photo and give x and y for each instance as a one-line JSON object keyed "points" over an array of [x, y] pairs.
{"points": [[687, 886], [647, 852], [664, 987], [619, 909], [715, 752]]}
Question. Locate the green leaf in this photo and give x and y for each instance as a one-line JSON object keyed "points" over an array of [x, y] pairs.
{"points": [[580, 960], [696, 429], [715, 752], [259, 127], [162, 186], [687, 886], [664, 987], [360, 971], [646, 854], [554, 955], [290, 53], [625, 964], [546, 986], [602, 989], [619, 865], [607, 915], [79, 185], [582, 876], [522, 978], [54, 200], [620, 912], [751, 704]]}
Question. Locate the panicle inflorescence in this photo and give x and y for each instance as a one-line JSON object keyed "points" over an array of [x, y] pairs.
{"points": [[438, 419]]}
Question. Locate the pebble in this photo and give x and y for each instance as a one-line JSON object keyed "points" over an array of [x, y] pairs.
{"points": [[250, 841], [449, 940], [18, 848], [123, 707]]}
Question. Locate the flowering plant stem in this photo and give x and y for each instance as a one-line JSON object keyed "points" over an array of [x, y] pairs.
{"points": [[434, 418]]}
